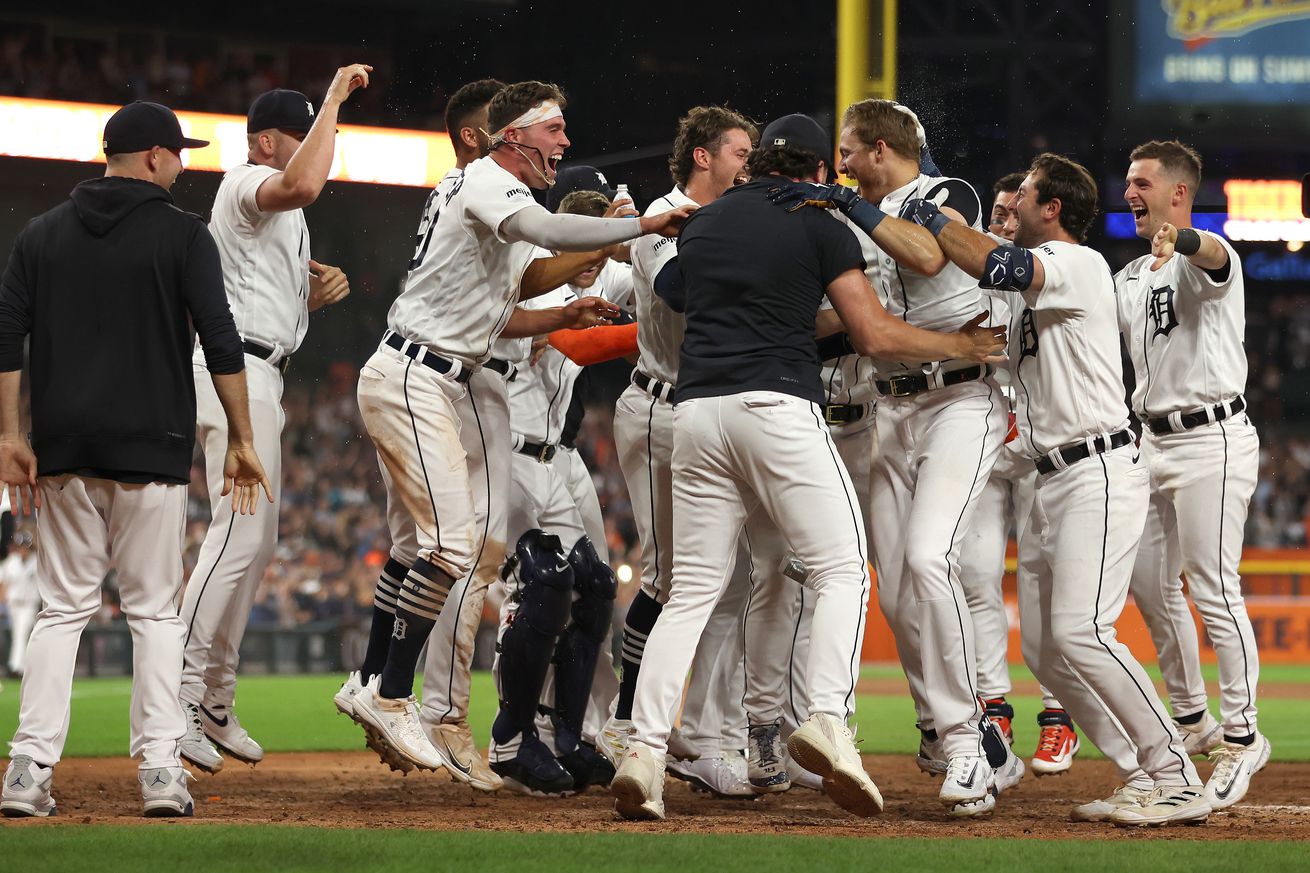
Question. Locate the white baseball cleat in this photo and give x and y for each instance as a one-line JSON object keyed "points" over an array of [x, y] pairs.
{"points": [[344, 700], [979, 808], [1010, 773], [719, 774], [969, 779], [1200, 738], [612, 742], [800, 777], [457, 751], [397, 725], [164, 793], [27, 789], [1168, 804], [195, 746], [825, 746], [766, 760], [682, 748], [225, 731], [1101, 810], [638, 786], [1234, 765]]}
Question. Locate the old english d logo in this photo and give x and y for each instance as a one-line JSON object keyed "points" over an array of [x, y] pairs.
{"points": [[1160, 309], [1027, 335]]}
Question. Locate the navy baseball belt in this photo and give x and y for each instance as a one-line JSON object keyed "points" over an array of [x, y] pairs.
{"points": [[544, 452], [264, 353], [1177, 422], [665, 391], [504, 368], [1070, 455], [426, 357], [916, 383], [844, 413]]}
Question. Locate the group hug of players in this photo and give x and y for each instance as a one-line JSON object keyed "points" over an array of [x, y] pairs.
{"points": [[1017, 420], [942, 458]]}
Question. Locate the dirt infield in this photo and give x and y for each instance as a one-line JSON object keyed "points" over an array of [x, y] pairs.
{"points": [[351, 790]]}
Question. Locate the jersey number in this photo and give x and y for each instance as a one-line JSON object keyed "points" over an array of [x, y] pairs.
{"points": [[426, 225]]}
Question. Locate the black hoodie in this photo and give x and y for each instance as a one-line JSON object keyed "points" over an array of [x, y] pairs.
{"points": [[110, 284]]}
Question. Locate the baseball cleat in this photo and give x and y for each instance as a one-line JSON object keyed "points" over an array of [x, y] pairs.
{"points": [[1056, 745], [533, 770], [723, 775], [455, 747], [1168, 804], [800, 777], [27, 789], [766, 762], [1010, 773], [980, 808], [682, 748], [345, 703], [931, 759], [164, 793], [638, 786], [195, 746], [825, 746], [221, 726], [1234, 765], [1002, 715], [587, 767], [614, 738], [344, 700], [1101, 810], [397, 725], [969, 779], [1201, 737]]}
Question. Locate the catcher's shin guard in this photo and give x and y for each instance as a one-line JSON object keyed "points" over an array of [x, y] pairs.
{"points": [[579, 645], [539, 579]]}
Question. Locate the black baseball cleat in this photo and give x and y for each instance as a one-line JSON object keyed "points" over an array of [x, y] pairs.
{"points": [[587, 767], [534, 770]]}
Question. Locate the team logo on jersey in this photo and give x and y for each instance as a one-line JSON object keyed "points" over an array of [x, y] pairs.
{"points": [[1160, 310], [1027, 335]]}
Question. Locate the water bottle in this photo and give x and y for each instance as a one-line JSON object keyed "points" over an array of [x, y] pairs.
{"points": [[621, 193]]}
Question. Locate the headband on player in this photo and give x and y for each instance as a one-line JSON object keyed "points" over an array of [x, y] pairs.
{"points": [[543, 111]]}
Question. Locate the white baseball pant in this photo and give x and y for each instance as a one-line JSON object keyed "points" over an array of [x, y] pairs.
{"points": [[779, 612], [22, 615], [935, 453], [409, 412], [85, 525], [237, 548], [1085, 525], [1201, 486], [485, 435], [643, 437], [713, 717], [733, 456]]}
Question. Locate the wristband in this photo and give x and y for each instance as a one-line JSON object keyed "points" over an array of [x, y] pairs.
{"points": [[1188, 241], [865, 216]]}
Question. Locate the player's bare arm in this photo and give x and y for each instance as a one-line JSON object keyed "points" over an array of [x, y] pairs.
{"points": [[17, 460], [578, 314], [875, 333], [243, 474], [1201, 249], [826, 323], [306, 173], [1007, 267], [327, 285]]}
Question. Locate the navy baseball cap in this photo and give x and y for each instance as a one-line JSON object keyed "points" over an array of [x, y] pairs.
{"points": [[799, 131], [577, 178], [140, 126], [281, 109]]}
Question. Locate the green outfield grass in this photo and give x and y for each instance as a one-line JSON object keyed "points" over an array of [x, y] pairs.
{"points": [[292, 850], [295, 713]]}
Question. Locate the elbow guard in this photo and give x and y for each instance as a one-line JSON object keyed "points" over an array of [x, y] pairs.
{"points": [[1008, 268]]}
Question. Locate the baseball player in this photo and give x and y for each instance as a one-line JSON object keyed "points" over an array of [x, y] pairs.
{"points": [[483, 412], [940, 428], [1182, 312], [1004, 505], [113, 429], [272, 285], [458, 299], [750, 438], [1091, 494], [22, 597], [709, 155]]}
